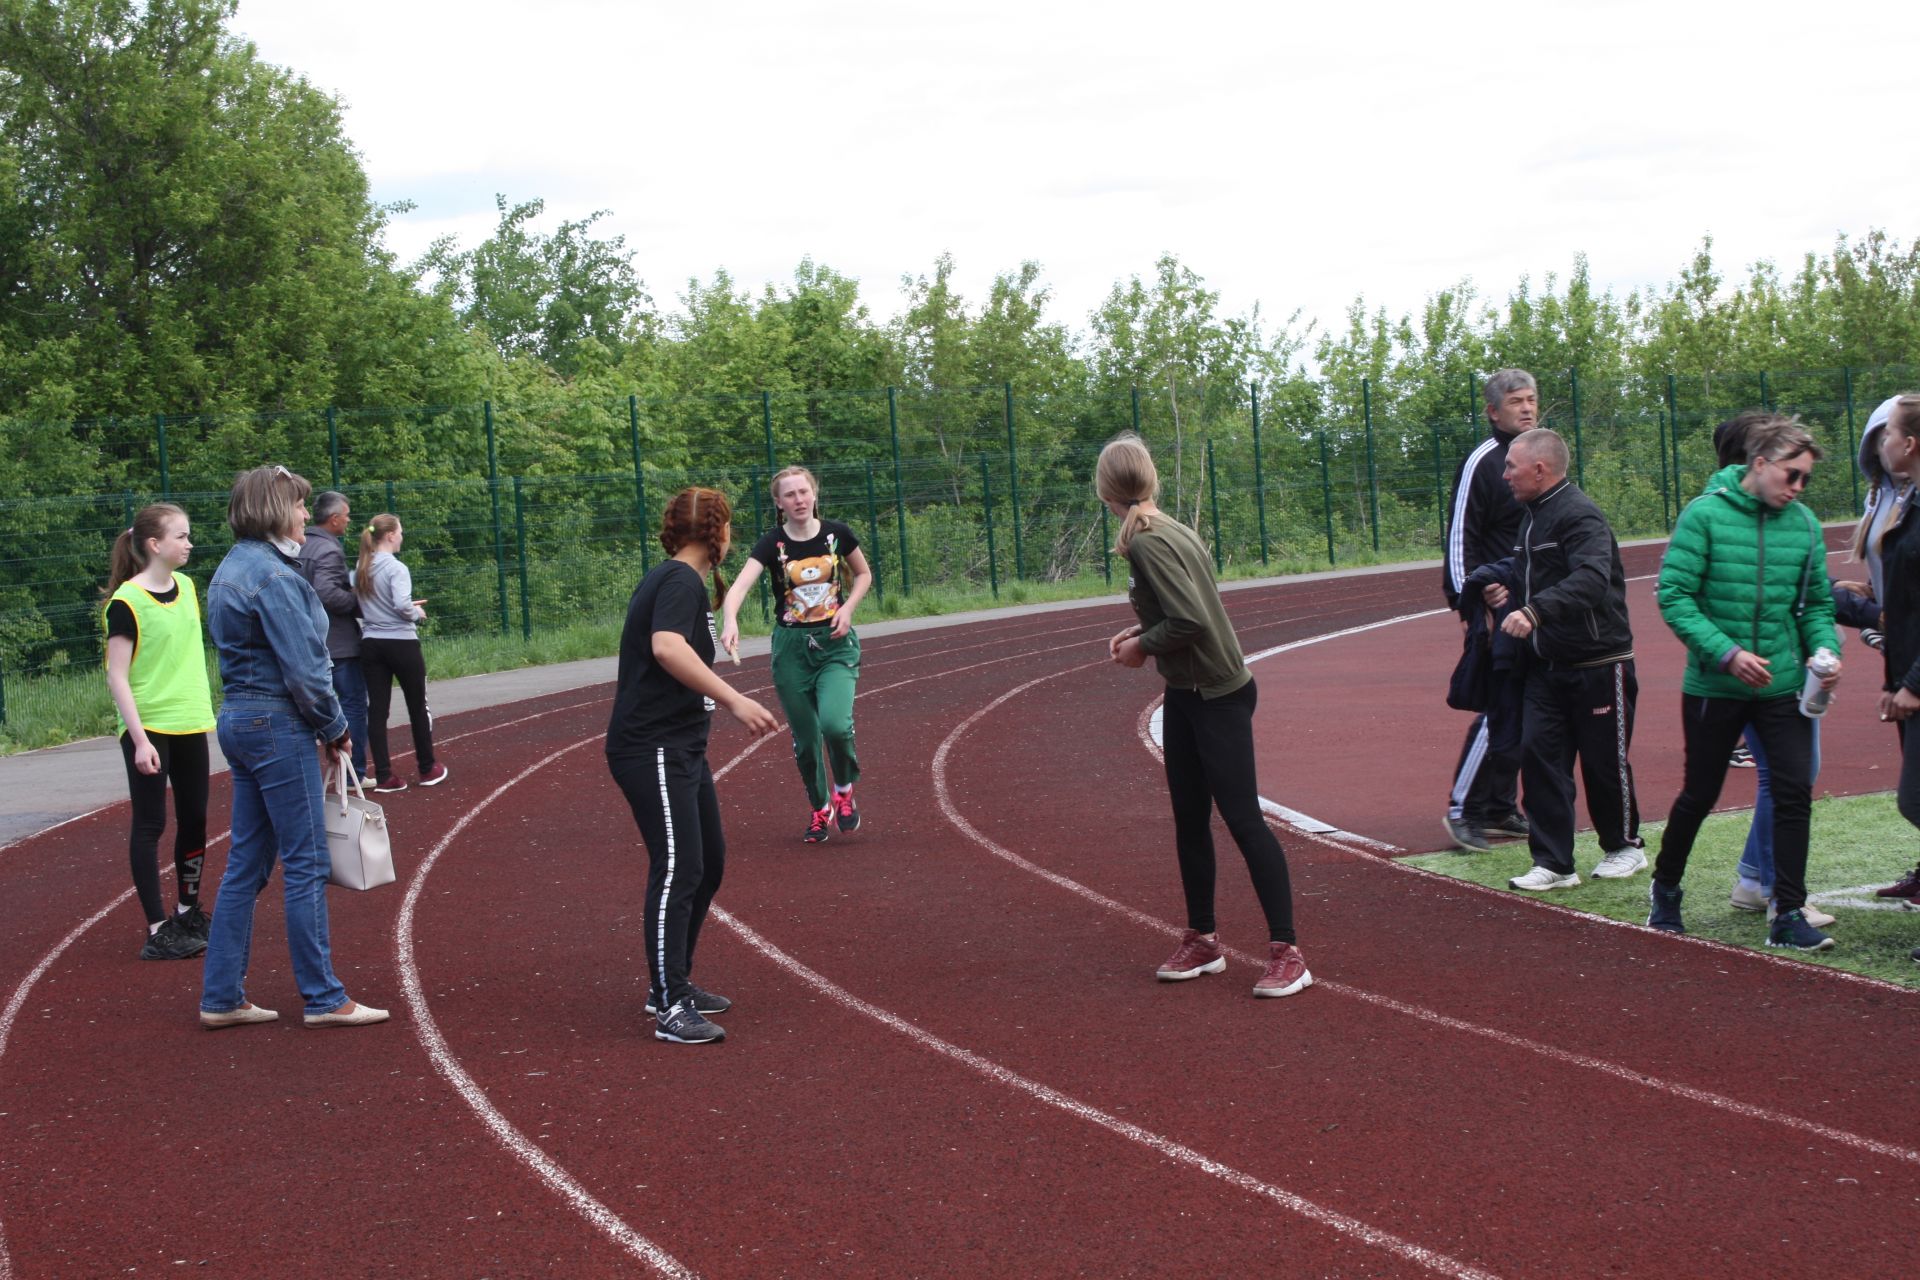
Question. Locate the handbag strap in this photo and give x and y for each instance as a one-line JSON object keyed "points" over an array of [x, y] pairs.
{"points": [[343, 769]]}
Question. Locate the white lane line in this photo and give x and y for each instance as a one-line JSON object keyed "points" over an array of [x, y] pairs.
{"points": [[538, 1161], [943, 797], [1340, 1223]]}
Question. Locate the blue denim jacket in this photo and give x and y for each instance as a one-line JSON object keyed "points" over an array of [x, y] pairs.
{"points": [[271, 634]]}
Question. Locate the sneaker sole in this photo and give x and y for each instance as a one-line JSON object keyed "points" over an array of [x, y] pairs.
{"points": [[437, 781], [1181, 975], [1293, 988], [1825, 944], [184, 955], [1570, 882], [670, 1038], [652, 1012], [1740, 904]]}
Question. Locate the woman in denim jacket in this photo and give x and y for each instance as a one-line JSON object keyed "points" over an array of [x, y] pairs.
{"points": [[270, 631]]}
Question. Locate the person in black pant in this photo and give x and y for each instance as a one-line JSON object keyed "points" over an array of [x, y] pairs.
{"points": [[1481, 523], [657, 752], [1568, 597], [323, 563], [390, 650]]}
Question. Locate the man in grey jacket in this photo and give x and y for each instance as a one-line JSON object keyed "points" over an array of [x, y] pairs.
{"points": [[323, 563]]}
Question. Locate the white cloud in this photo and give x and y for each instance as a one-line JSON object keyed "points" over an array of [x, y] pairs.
{"points": [[1294, 157]]}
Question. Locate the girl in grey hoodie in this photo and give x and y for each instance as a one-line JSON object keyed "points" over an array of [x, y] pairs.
{"points": [[390, 650]]}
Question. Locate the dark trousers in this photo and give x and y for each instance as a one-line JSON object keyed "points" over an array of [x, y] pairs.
{"points": [[1908, 795], [1208, 745], [677, 810], [350, 685], [1484, 789], [184, 763], [1584, 713], [382, 662], [1712, 728]]}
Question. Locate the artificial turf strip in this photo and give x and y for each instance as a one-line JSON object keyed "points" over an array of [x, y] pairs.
{"points": [[1859, 844]]}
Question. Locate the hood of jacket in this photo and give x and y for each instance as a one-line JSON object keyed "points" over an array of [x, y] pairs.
{"points": [[1870, 442]]}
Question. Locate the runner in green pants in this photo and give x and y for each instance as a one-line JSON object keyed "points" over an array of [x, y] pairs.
{"points": [[816, 655]]}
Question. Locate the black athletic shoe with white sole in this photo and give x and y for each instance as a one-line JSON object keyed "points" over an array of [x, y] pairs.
{"points": [[704, 1001], [683, 1024], [172, 941]]}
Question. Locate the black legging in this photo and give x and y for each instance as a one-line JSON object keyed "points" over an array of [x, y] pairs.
{"points": [[678, 812], [183, 762], [1208, 744], [383, 662]]}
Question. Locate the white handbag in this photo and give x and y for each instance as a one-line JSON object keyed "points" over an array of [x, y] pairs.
{"points": [[358, 850]]}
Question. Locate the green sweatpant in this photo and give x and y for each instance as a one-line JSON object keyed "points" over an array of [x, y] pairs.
{"points": [[814, 674]]}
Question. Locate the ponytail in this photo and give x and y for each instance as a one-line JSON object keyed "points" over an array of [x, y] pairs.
{"points": [[130, 554], [377, 528]]}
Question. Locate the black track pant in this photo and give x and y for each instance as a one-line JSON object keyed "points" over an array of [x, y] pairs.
{"points": [[1908, 795], [183, 762], [1208, 745], [1712, 727], [678, 812], [1483, 780], [382, 662], [1585, 712]]}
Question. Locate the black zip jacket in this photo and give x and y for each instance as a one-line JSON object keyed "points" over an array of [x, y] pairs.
{"points": [[1565, 575], [1483, 517], [1900, 613]]}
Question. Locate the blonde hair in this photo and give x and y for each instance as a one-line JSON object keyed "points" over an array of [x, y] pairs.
{"points": [[1125, 473], [376, 529], [130, 554], [773, 487], [263, 501], [1905, 416]]}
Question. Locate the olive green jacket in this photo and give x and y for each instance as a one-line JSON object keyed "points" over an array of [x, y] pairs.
{"points": [[1183, 624]]}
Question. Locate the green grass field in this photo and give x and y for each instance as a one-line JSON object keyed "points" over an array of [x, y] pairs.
{"points": [[1859, 844]]}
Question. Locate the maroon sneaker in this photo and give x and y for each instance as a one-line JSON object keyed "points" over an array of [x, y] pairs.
{"points": [[845, 811], [1198, 954], [819, 826], [1286, 973], [434, 776], [389, 783], [1908, 886]]}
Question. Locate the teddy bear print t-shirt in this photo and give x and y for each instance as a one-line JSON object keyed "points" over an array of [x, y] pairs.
{"points": [[806, 575]]}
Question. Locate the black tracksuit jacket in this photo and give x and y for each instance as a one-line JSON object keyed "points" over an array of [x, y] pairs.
{"points": [[1565, 575]]}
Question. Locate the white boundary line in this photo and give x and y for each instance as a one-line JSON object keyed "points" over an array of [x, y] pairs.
{"points": [[1564, 1056]]}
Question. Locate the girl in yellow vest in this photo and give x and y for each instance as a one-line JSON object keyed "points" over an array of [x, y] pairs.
{"points": [[157, 674]]}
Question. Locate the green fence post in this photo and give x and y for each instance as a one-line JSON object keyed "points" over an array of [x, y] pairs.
{"points": [[1136, 411], [899, 499], [986, 499], [1579, 448], [1259, 482], [1213, 490], [333, 445], [1439, 494], [753, 483], [1473, 402], [873, 538], [1666, 515], [3, 691], [126, 511], [1853, 448], [520, 547], [1373, 476], [766, 420], [493, 496], [639, 481], [1673, 438], [1766, 397], [1013, 486], [160, 438], [391, 509], [1326, 495]]}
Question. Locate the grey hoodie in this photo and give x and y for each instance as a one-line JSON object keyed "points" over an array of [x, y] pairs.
{"points": [[1882, 493]]}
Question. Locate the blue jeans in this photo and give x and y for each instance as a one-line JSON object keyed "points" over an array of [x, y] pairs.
{"points": [[1756, 863], [276, 813], [350, 683]]}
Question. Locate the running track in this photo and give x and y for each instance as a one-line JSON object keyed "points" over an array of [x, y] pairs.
{"points": [[949, 1056]]}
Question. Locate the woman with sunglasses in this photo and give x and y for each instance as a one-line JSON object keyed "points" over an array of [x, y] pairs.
{"points": [[1744, 586]]}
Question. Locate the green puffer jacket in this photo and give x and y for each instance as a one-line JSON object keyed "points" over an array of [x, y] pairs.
{"points": [[1739, 575]]}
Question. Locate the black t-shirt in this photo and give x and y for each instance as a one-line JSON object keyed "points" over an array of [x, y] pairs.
{"points": [[806, 575], [120, 621], [650, 708]]}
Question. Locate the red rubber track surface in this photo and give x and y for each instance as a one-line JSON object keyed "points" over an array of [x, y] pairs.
{"points": [[1479, 1085]]}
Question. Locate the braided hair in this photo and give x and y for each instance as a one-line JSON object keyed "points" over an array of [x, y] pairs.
{"points": [[699, 517]]}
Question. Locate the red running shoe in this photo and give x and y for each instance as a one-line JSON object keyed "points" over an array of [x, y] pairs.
{"points": [[1286, 973], [819, 826], [845, 812], [1198, 954], [1908, 886]]}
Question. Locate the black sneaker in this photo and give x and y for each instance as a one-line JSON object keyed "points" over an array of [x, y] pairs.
{"points": [[1791, 931], [845, 811], [1741, 758], [819, 826], [171, 941], [704, 1001], [682, 1024], [195, 921], [1512, 827], [1467, 836], [1663, 908]]}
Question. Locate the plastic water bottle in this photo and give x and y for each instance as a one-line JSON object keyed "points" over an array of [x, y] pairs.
{"points": [[1813, 699]]}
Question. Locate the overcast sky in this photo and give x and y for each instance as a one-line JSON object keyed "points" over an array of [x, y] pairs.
{"points": [[1295, 156]]}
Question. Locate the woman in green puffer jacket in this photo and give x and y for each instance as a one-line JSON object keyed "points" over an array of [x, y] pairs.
{"points": [[1744, 586]]}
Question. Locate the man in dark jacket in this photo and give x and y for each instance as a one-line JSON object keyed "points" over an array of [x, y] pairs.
{"points": [[1481, 524], [324, 564], [1568, 595]]}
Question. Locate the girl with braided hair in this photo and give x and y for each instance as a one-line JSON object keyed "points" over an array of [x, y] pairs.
{"points": [[663, 706], [819, 576]]}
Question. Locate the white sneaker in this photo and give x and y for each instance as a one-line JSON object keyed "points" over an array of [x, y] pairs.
{"points": [[1540, 879], [1620, 864], [1817, 918], [1747, 896]]}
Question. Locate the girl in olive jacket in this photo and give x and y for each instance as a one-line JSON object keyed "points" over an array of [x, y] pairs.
{"points": [[1744, 586]]}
